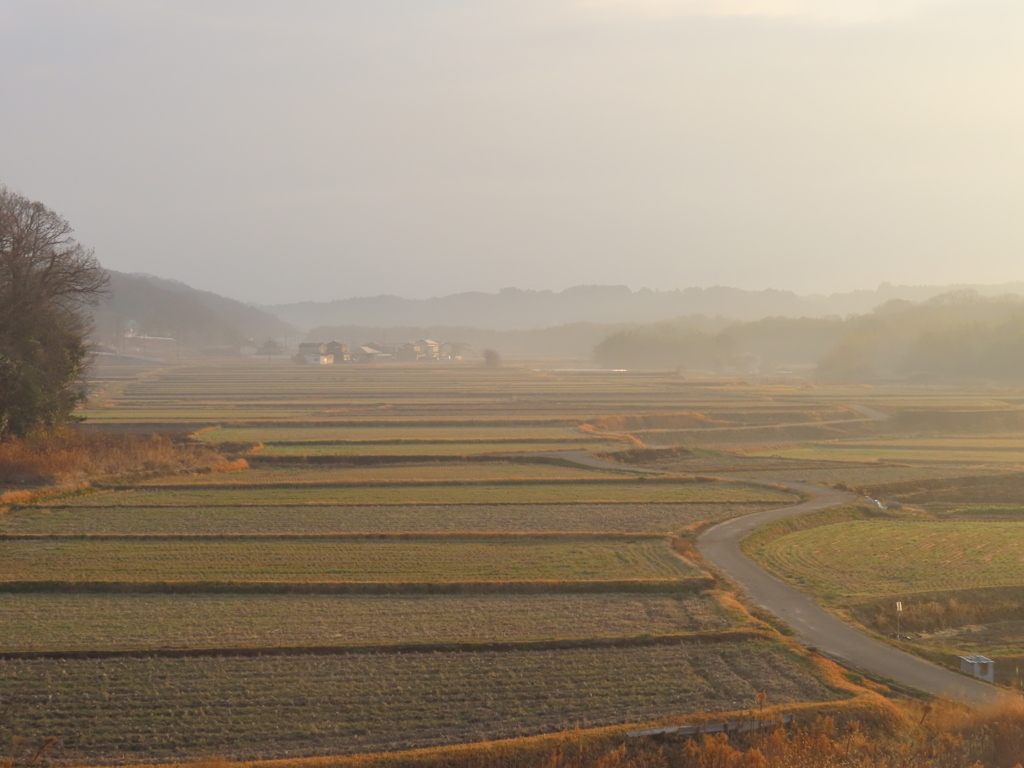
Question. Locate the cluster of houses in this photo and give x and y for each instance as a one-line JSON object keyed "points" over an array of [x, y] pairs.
{"points": [[335, 353]]}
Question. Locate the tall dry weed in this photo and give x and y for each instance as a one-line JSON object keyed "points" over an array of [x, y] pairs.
{"points": [[71, 456]]}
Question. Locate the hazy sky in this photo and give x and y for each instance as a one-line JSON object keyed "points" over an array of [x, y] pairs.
{"points": [[317, 149]]}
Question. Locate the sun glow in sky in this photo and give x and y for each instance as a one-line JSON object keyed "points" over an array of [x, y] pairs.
{"points": [[833, 11], [281, 151]]}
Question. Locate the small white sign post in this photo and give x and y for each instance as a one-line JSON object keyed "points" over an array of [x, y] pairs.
{"points": [[899, 613]]}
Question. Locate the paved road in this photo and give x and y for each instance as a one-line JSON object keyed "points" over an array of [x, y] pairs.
{"points": [[814, 626]]}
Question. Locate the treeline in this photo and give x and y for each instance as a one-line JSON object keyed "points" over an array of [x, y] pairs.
{"points": [[955, 335], [775, 341]]}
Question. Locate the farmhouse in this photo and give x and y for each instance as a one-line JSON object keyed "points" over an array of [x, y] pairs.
{"points": [[371, 354], [313, 353], [431, 348], [338, 351], [422, 350]]}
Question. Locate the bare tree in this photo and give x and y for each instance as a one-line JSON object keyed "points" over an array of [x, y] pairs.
{"points": [[47, 278]]}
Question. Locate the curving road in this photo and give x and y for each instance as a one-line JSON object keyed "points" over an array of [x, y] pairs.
{"points": [[815, 627]]}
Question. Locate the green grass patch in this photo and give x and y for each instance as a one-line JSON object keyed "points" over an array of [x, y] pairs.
{"points": [[832, 516], [864, 477], [902, 450], [883, 557]]}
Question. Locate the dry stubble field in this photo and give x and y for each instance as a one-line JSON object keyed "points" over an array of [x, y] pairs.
{"points": [[46, 517], [90, 622], [953, 556], [156, 709], [127, 709], [341, 560]]}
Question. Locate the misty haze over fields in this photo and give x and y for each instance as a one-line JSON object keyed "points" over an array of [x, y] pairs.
{"points": [[516, 309], [283, 152], [925, 332], [533, 383]]}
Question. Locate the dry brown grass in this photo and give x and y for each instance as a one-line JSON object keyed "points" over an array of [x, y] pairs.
{"points": [[71, 456]]}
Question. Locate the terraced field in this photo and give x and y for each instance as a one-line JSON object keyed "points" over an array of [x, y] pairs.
{"points": [[399, 473], [801, 463], [377, 433], [407, 628], [539, 492], [959, 580], [89, 622], [171, 709], [305, 560], [868, 479], [936, 451], [506, 518], [881, 557], [434, 448]]}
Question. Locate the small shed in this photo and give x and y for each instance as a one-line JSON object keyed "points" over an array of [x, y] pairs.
{"points": [[979, 666]]}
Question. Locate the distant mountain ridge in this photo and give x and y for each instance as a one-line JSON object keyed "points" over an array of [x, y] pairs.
{"points": [[154, 306], [515, 309], [519, 323]]}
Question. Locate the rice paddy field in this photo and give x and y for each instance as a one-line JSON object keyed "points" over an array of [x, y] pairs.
{"points": [[871, 480], [157, 709], [632, 491], [333, 560], [90, 622], [968, 451], [415, 479], [960, 582], [311, 519], [391, 474], [421, 448], [377, 433], [952, 459], [883, 557]]}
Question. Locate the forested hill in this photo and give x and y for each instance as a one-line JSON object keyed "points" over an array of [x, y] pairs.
{"points": [[514, 309], [952, 336], [198, 319]]}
